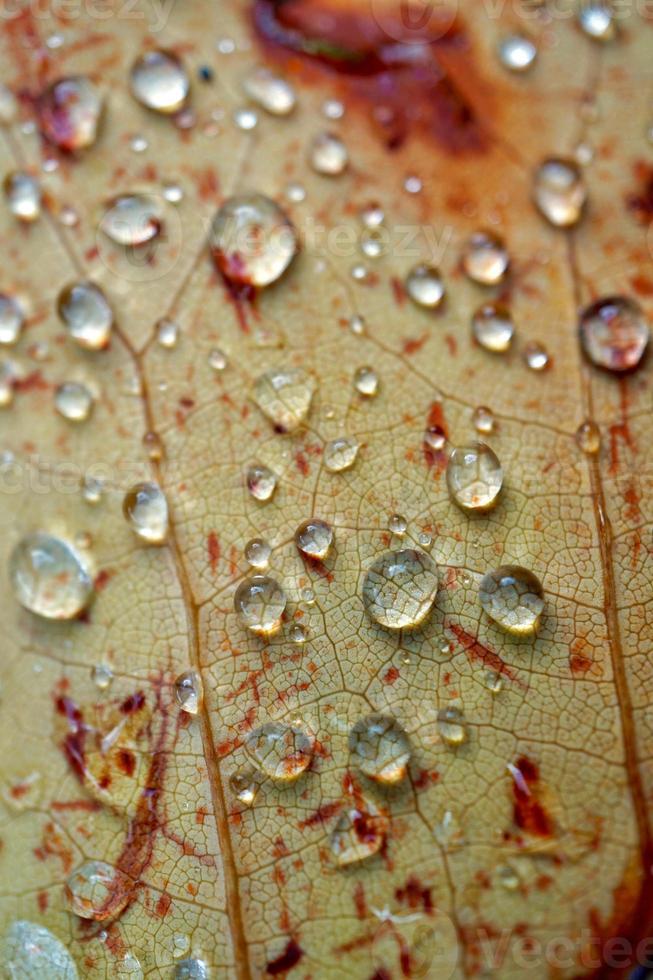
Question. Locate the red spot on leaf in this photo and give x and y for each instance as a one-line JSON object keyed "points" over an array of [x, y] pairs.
{"points": [[478, 653], [290, 957], [213, 546], [528, 812]]}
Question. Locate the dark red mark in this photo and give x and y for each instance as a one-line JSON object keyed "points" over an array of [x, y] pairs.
{"points": [[435, 422], [381, 974], [54, 108], [391, 675], [126, 761], [42, 899], [242, 295], [322, 814], [359, 900], [640, 202], [302, 463], [213, 546], [34, 381], [413, 344], [133, 703], [73, 743], [620, 430], [528, 812], [478, 653], [102, 579], [290, 957], [415, 895]]}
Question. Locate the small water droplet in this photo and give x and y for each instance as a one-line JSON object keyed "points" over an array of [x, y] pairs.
{"points": [[399, 588], [588, 437], [260, 603], [340, 454], [434, 438], [512, 597], [360, 831], [48, 577], [269, 91], [9, 375], [328, 155], [68, 216], [380, 748], [508, 877], [493, 681], [284, 395], [474, 477], [189, 691], [614, 333], [357, 324], [282, 752], [597, 20], [159, 81], [412, 184], [138, 144], [374, 242], [132, 219], [366, 381], [23, 196], [102, 676], [424, 286], [372, 216], [244, 785], [217, 359], [296, 193], [153, 446], [191, 969], [559, 191], [483, 420], [333, 109], [85, 311], [397, 524], [359, 272], [246, 119], [253, 241], [97, 890], [146, 510], [69, 113], [314, 538], [73, 401], [261, 482], [92, 490], [517, 52], [257, 553], [493, 327], [583, 154], [31, 952], [8, 106], [448, 832], [485, 258], [12, 319], [173, 193], [536, 356], [451, 724], [167, 332], [298, 634], [425, 540]]}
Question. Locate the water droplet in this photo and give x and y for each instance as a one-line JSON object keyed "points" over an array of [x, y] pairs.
{"points": [[357, 324], [69, 113], [31, 952], [399, 588], [597, 20], [614, 333], [11, 319], [85, 311], [96, 890], [129, 966], [298, 634], [191, 969], [493, 681], [366, 381], [246, 119], [340, 454], [451, 725], [260, 602], [425, 540], [372, 216], [173, 193], [92, 490], [257, 553], [270, 91], [397, 524], [9, 375], [583, 154], [434, 438], [23, 196], [282, 752], [261, 482], [102, 676], [314, 538], [8, 106], [588, 437], [448, 832], [485, 258], [253, 241], [360, 831], [146, 510], [512, 597], [138, 144], [49, 578], [412, 184], [189, 692], [493, 327], [167, 332], [424, 286], [374, 242], [359, 272], [296, 193], [132, 219], [284, 395], [483, 420], [217, 359], [559, 191], [68, 216], [158, 80], [517, 52], [474, 477], [508, 877], [333, 109], [328, 155], [73, 401], [244, 785], [380, 748], [536, 356]]}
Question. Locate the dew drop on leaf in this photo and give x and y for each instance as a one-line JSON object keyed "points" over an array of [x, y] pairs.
{"points": [[172, 192], [474, 477], [380, 748], [493, 327], [373, 242], [69, 113], [252, 240], [192, 969], [23, 196], [328, 155], [424, 286], [512, 597], [360, 831], [12, 319], [295, 193], [217, 359], [167, 332], [73, 401], [508, 877], [559, 191], [597, 20], [614, 333], [48, 577], [8, 106], [517, 52], [399, 588], [483, 420], [84, 310], [132, 219], [92, 489], [246, 119], [493, 681], [366, 381], [340, 454], [158, 80], [314, 538], [29, 951], [485, 258], [434, 438], [102, 676], [260, 603], [189, 692], [282, 752], [97, 890], [357, 324], [284, 395], [333, 109], [588, 437], [397, 524], [536, 356], [261, 482], [452, 725], [9, 375], [146, 510], [244, 785], [257, 553], [372, 216], [270, 91], [298, 634]]}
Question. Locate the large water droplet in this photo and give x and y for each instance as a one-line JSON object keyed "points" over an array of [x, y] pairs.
{"points": [[253, 241], [366, 381], [493, 327], [380, 748], [257, 553], [97, 890], [399, 589], [31, 952], [360, 831], [85, 311], [132, 219], [282, 752], [11, 319], [23, 196], [485, 258], [424, 286], [451, 724], [192, 969], [49, 577], [146, 510], [340, 454], [270, 91], [189, 691], [597, 20], [614, 333], [260, 602], [261, 482], [284, 395], [588, 437], [328, 155], [512, 596], [474, 477], [159, 81], [517, 52], [73, 401], [314, 538], [69, 113], [559, 191]]}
